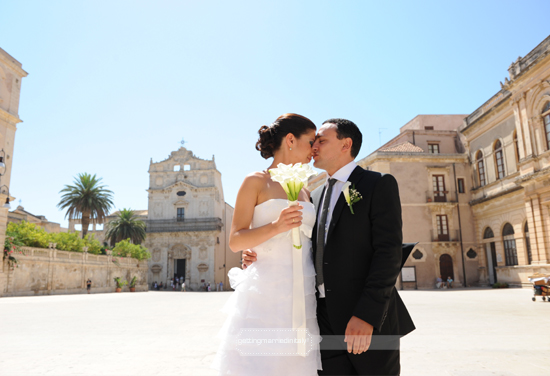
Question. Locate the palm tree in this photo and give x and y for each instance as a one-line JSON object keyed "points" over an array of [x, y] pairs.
{"points": [[126, 226], [86, 200]]}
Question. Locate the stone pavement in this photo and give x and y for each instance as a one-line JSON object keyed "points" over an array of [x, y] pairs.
{"points": [[460, 333]]}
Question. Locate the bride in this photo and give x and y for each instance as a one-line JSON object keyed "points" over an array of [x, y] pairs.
{"points": [[257, 337]]}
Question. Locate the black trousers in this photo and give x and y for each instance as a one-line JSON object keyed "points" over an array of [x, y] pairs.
{"points": [[337, 361]]}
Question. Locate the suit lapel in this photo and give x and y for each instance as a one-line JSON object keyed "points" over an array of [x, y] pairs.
{"points": [[354, 178], [316, 198]]}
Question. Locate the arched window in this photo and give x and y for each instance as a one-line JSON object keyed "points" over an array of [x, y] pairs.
{"points": [[546, 120], [480, 168], [488, 234], [516, 146], [510, 252], [499, 160], [527, 243]]}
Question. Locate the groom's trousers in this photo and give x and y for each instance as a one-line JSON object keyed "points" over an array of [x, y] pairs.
{"points": [[337, 361]]}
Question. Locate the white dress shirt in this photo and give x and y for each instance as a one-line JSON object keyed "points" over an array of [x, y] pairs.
{"points": [[342, 176]]}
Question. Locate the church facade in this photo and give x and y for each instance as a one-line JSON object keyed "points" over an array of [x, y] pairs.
{"points": [[188, 222]]}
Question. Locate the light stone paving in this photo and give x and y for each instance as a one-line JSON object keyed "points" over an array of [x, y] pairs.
{"points": [[460, 333]]}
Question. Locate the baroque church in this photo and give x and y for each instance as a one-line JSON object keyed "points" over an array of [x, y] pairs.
{"points": [[188, 222]]}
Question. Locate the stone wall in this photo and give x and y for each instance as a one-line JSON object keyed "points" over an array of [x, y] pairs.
{"points": [[53, 272], [517, 275]]}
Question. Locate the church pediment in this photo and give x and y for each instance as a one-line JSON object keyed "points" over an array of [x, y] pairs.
{"points": [[183, 156], [178, 186], [181, 185], [181, 203]]}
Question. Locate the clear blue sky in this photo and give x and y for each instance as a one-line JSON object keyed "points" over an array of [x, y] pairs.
{"points": [[113, 84]]}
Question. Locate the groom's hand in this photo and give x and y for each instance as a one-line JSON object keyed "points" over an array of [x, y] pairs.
{"points": [[358, 335], [248, 258]]}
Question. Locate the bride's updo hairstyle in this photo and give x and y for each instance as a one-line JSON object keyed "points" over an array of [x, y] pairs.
{"points": [[271, 137]]}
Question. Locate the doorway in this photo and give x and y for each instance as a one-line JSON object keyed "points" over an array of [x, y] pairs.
{"points": [[491, 252], [446, 267], [179, 268]]}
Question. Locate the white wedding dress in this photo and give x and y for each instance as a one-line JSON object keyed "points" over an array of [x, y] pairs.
{"points": [[260, 309]]}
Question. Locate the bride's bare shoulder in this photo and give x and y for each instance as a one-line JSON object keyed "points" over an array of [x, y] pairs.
{"points": [[255, 180]]}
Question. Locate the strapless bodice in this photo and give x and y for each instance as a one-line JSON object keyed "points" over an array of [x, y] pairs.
{"points": [[269, 211]]}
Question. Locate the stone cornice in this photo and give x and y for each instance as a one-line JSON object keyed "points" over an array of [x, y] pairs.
{"points": [[414, 157], [533, 158], [486, 108], [507, 179], [487, 123], [12, 63], [183, 185], [517, 70], [533, 176], [500, 194], [522, 65], [9, 118]]}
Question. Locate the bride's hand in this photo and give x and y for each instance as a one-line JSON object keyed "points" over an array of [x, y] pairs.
{"points": [[289, 218]]}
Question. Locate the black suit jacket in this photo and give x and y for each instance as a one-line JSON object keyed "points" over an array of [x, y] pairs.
{"points": [[363, 256]]}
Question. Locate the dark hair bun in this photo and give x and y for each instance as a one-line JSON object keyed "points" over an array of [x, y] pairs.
{"points": [[266, 142], [271, 138]]}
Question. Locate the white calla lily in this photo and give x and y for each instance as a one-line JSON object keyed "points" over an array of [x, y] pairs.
{"points": [[345, 190]]}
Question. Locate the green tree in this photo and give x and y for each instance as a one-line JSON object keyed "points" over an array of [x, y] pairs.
{"points": [[87, 200], [126, 226], [125, 248]]}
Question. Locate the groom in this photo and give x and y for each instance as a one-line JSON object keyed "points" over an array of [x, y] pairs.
{"points": [[357, 259]]}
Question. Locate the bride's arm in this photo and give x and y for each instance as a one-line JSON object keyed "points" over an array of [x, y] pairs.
{"points": [[242, 236]]}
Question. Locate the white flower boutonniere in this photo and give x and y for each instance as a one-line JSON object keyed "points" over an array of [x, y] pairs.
{"points": [[351, 195]]}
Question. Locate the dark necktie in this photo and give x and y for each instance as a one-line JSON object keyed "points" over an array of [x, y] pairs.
{"points": [[321, 234]]}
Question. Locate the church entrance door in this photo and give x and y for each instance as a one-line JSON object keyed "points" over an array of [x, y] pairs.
{"points": [[179, 268], [446, 267]]}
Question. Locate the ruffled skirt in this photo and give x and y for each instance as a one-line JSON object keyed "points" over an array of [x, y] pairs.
{"points": [[257, 337]]}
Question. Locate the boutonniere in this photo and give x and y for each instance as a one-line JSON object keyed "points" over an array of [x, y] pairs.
{"points": [[351, 195]]}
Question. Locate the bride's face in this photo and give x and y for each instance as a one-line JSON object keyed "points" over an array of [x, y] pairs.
{"points": [[301, 151]]}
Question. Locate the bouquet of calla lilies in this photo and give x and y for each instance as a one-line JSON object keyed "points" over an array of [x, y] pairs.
{"points": [[292, 178]]}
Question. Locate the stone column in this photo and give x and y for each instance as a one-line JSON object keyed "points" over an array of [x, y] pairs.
{"points": [[539, 226], [532, 234], [536, 227], [522, 128], [545, 223]]}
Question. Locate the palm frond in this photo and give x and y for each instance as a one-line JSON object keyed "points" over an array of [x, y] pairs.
{"points": [[126, 226], [87, 200]]}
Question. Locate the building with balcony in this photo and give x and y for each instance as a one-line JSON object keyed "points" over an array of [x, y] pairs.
{"points": [[508, 143], [188, 222], [429, 162]]}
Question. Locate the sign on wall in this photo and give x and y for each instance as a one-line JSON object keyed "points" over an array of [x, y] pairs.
{"points": [[408, 274]]}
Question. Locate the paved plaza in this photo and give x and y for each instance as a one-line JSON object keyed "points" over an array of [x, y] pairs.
{"points": [[460, 333]]}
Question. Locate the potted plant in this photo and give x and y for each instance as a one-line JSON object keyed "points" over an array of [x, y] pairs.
{"points": [[133, 284], [119, 284]]}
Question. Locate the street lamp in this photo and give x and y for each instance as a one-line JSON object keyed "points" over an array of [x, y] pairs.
{"points": [[6, 190]]}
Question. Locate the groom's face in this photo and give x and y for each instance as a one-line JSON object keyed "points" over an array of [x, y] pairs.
{"points": [[327, 147]]}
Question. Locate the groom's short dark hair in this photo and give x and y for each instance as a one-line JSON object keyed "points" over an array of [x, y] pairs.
{"points": [[348, 129]]}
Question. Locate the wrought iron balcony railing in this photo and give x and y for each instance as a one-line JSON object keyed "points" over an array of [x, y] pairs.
{"points": [[187, 224], [439, 196], [450, 236]]}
